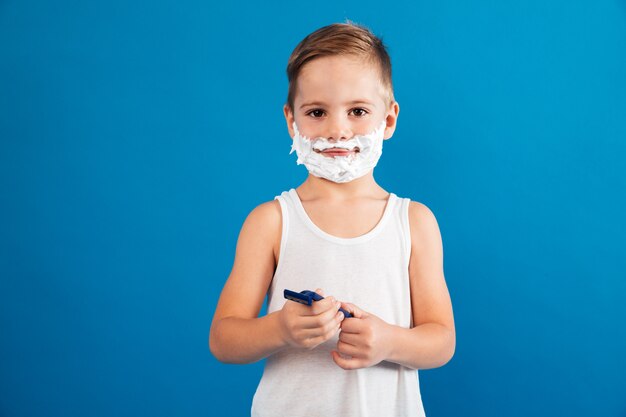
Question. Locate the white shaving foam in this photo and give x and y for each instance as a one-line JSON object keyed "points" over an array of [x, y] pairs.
{"points": [[339, 168]]}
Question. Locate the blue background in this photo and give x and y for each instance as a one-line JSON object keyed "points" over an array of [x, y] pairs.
{"points": [[120, 211]]}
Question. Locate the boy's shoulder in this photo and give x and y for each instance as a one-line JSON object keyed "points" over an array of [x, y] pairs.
{"points": [[422, 223], [264, 223], [419, 210], [265, 214]]}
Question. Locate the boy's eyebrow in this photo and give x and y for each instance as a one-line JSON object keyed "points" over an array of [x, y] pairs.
{"points": [[321, 103], [313, 103]]}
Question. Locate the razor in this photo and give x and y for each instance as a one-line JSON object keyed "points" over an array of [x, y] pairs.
{"points": [[307, 297]]}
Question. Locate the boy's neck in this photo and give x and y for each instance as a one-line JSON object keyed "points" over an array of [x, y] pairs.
{"points": [[319, 188]]}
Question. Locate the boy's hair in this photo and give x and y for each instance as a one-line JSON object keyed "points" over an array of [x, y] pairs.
{"points": [[340, 39]]}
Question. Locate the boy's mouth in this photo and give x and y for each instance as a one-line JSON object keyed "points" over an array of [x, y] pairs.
{"points": [[338, 151]]}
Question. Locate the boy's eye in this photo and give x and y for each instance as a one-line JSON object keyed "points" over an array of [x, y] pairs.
{"points": [[316, 113], [359, 112]]}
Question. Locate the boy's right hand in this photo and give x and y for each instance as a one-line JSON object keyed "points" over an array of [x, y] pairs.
{"points": [[308, 326]]}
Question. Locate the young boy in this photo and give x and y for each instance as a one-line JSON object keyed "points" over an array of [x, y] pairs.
{"points": [[339, 233]]}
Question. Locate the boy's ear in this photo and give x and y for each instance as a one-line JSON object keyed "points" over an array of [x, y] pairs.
{"points": [[391, 118], [289, 119]]}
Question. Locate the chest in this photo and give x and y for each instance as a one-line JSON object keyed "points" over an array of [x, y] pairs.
{"points": [[345, 221]]}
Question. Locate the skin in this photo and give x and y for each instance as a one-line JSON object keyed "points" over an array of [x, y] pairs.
{"points": [[336, 97]]}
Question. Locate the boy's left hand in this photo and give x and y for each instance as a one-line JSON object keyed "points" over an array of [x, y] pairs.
{"points": [[364, 337]]}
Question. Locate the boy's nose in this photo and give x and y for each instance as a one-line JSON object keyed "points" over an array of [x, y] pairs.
{"points": [[338, 130]]}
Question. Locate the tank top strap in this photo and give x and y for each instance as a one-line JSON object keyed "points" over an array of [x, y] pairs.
{"points": [[287, 216], [403, 219]]}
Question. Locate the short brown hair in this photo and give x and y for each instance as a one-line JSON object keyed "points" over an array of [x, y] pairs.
{"points": [[340, 39]]}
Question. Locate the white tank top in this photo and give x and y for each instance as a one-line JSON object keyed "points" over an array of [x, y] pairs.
{"points": [[370, 271]]}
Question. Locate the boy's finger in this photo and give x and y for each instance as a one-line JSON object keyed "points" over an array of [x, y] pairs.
{"points": [[346, 363], [328, 303], [354, 310], [320, 292], [320, 320], [318, 307], [350, 326]]}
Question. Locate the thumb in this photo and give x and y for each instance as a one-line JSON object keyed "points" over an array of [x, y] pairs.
{"points": [[354, 310], [320, 292]]}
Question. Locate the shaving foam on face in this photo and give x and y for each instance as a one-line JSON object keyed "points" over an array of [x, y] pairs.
{"points": [[339, 168]]}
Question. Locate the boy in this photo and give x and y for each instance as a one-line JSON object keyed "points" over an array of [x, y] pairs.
{"points": [[365, 250]]}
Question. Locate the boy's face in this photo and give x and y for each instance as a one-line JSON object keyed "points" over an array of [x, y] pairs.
{"points": [[338, 97]]}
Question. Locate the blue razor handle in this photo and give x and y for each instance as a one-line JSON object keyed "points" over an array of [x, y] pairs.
{"points": [[307, 297]]}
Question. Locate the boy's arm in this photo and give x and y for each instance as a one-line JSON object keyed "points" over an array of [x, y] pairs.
{"points": [[432, 340], [237, 335]]}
